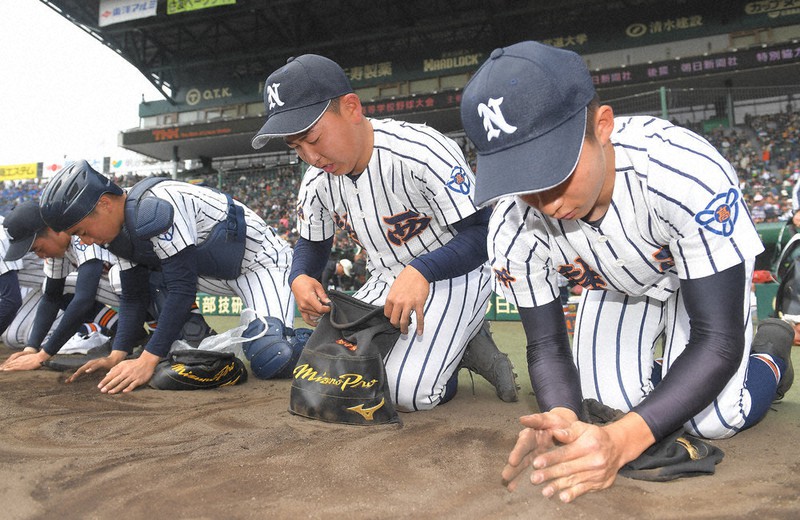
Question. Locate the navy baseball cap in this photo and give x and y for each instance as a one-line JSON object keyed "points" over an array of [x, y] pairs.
{"points": [[22, 225], [525, 112], [297, 94]]}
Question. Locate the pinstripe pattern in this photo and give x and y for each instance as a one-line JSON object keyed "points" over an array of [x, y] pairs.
{"points": [[32, 272], [105, 292], [418, 367], [409, 170], [76, 255], [658, 229], [16, 335], [263, 283], [416, 185], [266, 291]]}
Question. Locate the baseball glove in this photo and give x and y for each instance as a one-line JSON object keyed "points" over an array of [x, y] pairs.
{"points": [[675, 456], [72, 362], [193, 369]]}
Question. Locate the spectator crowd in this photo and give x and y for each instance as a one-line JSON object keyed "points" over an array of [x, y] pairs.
{"points": [[765, 152]]}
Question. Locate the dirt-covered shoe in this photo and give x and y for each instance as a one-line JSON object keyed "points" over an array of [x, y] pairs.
{"points": [[775, 337], [484, 358]]}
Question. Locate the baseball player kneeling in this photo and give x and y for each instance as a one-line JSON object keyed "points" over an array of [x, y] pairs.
{"points": [[404, 193], [75, 278], [649, 219], [200, 239]]}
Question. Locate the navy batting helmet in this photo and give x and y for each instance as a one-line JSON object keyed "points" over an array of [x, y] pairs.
{"points": [[72, 194]]}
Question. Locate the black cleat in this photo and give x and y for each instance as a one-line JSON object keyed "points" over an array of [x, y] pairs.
{"points": [[484, 358], [775, 337]]}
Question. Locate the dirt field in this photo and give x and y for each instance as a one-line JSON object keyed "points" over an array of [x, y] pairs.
{"points": [[68, 451]]}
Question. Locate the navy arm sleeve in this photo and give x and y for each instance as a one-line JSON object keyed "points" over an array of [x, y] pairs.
{"points": [[82, 303], [310, 258], [46, 310], [462, 254], [10, 298], [715, 349], [554, 378], [180, 278], [133, 303]]}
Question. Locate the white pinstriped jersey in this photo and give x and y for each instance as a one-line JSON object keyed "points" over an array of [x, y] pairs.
{"points": [[196, 211], [75, 256], [676, 212], [416, 185]]}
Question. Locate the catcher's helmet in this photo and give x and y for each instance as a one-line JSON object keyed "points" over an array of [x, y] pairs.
{"points": [[271, 355], [72, 194]]}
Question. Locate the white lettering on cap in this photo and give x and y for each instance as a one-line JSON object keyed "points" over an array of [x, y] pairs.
{"points": [[490, 112], [273, 97]]}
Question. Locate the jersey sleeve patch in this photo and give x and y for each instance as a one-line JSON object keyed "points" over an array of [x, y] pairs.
{"points": [[78, 244], [168, 234], [720, 214], [459, 181]]}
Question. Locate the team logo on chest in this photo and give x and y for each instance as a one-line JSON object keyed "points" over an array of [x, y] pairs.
{"points": [[343, 224], [273, 98], [504, 277], [493, 119], [581, 274], [168, 234], [663, 257], [459, 182], [720, 215], [405, 226]]}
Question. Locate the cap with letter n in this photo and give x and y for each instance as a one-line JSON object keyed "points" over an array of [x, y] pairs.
{"points": [[297, 94], [525, 112]]}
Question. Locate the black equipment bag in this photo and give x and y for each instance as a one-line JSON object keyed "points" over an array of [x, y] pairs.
{"points": [[340, 376]]}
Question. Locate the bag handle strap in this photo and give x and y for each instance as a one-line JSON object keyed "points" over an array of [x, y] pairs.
{"points": [[344, 325], [337, 320]]}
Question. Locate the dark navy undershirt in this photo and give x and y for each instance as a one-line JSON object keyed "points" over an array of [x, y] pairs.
{"points": [[712, 355], [179, 273], [75, 314], [461, 255], [10, 298]]}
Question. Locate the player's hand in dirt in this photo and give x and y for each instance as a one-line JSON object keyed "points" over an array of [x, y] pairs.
{"points": [[28, 359], [536, 438], [129, 374], [94, 365], [588, 457]]}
